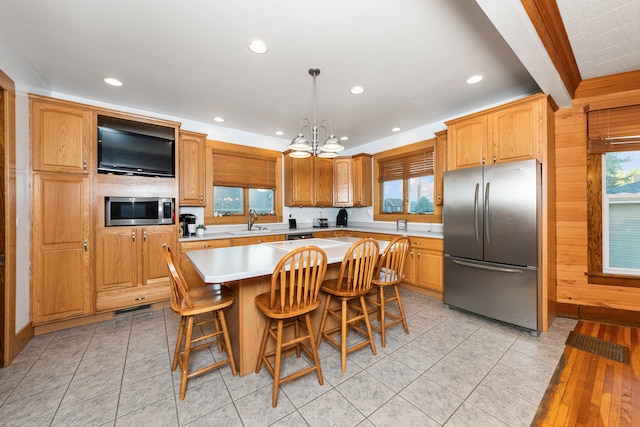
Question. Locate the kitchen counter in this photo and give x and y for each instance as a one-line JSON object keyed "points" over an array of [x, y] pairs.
{"points": [[363, 229], [246, 270]]}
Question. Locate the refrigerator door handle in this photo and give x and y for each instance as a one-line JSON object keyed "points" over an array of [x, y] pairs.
{"points": [[475, 213], [487, 233], [486, 267]]}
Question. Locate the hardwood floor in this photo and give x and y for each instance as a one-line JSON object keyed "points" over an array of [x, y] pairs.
{"points": [[588, 389]]}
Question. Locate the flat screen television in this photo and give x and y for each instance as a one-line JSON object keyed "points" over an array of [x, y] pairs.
{"points": [[130, 153]]}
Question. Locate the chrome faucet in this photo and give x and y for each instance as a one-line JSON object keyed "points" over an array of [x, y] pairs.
{"points": [[252, 218]]}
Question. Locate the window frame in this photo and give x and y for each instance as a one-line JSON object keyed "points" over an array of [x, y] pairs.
{"points": [[597, 146], [228, 148], [405, 151]]}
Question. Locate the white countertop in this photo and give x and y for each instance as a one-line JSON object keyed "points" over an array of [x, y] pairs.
{"points": [[227, 235], [221, 265]]}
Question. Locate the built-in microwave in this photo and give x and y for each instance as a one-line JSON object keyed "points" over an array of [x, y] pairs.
{"points": [[138, 211]]}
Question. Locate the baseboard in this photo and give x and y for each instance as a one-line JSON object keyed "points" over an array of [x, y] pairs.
{"points": [[599, 314]]}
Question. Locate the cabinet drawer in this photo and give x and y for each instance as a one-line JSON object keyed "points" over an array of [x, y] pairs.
{"points": [[243, 241], [205, 244], [426, 243], [123, 298]]}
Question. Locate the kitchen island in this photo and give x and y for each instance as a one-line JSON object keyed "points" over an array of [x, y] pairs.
{"points": [[246, 270]]}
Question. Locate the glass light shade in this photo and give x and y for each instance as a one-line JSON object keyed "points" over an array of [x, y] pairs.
{"points": [[327, 154], [299, 154], [332, 145], [300, 143]]}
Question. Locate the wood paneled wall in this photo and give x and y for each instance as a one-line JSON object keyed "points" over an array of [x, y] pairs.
{"points": [[571, 209]]}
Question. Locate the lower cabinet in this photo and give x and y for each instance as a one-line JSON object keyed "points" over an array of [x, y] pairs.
{"points": [[130, 266], [424, 267]]}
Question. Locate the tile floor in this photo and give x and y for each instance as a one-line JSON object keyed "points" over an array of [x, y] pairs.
{"points": [[453, 369]]}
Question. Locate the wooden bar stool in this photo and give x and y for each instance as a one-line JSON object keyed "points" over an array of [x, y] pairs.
{"points": [[295, 284], [189, 303], [353, 282], [389, 273]]}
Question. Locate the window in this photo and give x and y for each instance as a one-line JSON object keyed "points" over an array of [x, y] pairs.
{"points": [[621, 212], [613, 195], [242, 178], [407, 183]]}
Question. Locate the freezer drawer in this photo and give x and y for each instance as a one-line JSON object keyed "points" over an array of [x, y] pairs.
{"points": [[498, 291]]}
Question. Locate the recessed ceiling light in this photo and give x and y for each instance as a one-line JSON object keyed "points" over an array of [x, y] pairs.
{"points": [[357, 90], [218, 119], [395, 130], [258, 46], [474, 79], [112, 81], [344, 138], [279, 133]]}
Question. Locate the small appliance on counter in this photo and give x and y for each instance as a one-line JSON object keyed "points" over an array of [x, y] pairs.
{"points": [[341, 220], [320, 222], [188, 224]]}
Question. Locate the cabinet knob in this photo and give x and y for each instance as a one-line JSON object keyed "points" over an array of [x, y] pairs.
{"points": [[84, 165], [144, 236], [133, 236], [494, 158], [85, 247]]}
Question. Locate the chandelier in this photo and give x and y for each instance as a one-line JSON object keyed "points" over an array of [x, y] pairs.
{"points": [[301, 146]]}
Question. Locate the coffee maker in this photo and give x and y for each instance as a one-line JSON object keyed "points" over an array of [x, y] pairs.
{"points": [[185, 221]]}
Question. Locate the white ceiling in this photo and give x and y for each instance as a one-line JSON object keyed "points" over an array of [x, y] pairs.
{"points": [[189, 58], [603, 34]]}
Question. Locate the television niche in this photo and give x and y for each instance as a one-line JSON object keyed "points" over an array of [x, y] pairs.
{"points": [[127, 148]]}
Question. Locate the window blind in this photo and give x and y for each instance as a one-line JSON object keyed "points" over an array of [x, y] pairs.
{"points": [[613, 129], [234, 170], [409, 166]]}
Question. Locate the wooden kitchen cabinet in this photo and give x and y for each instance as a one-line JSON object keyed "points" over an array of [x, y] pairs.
{"points": [[254, 240], [511, 132], [60, 249], [362, 180], [192, 168], [441, 165], [308, 182], [60, 136], [425, 264], [352, 181], [342, 181], [130, 266]]}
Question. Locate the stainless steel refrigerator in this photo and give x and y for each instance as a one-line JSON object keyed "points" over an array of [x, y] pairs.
{"points": [[491, 218]]}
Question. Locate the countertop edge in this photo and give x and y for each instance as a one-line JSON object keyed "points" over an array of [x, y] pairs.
{"points": [[226, 235]]}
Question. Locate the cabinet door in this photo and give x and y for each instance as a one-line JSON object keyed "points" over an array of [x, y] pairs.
{"points": [[430, 267], [516, 133], [117, 258], [342, 182], [468, 139], [154, 267], [441, 165], [60, 138], [192, 168], [323, 182], [362, 180], [410, 268], [60, 256], [299, 182]]}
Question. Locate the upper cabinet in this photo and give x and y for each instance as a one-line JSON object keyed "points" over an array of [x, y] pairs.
{"points": [[308, 182], [192, 168], [61, 135], [441, 165], [503, 134], [352, 185]]}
